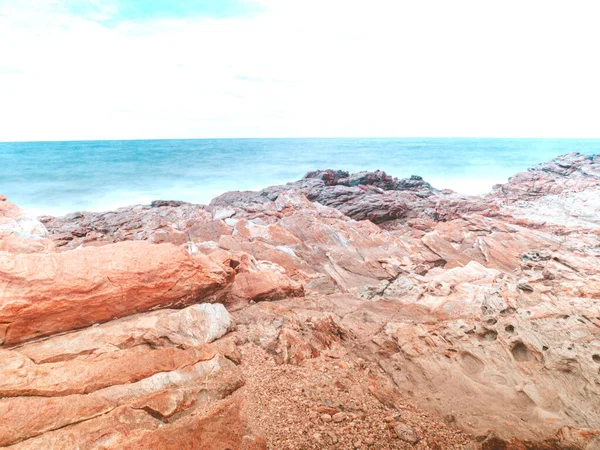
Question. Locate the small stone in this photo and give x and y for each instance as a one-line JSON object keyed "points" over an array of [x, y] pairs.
{"points": [[339, 417], [317, 436], [326, 418], [449, 418], [357, 444], [334, 439], [406, 433], [525, 287], [327, 410], [369, 441], [389, 419]]}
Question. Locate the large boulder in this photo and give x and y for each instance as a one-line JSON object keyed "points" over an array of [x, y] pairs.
{"points": [[573, 172], [48, 293]]}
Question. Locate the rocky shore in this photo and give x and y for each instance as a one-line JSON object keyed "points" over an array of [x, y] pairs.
{"points": [[347, 311]]}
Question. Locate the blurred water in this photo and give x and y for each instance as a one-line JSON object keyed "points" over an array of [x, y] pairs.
{"points": [[60, 177]]}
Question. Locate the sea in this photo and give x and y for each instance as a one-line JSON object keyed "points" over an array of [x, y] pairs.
{"points": [[56, 178]]}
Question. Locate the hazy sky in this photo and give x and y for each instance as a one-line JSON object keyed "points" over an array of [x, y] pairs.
{"points": [[123, 69]]}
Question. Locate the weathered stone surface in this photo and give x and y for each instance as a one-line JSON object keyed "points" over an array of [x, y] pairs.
{"points": [[263, 286], [481, 311], [25, 417], [185, 328], [13, 218], [20, 233], [65, 421], [162, 222], [22, 377], [374, 196], [220, 430], [45, 294], [102, 432], [73, 381], [14, 242], [573, 172], [406, 433]]}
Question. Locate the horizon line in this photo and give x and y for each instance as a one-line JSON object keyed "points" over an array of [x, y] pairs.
{"points": [[293, 138]]}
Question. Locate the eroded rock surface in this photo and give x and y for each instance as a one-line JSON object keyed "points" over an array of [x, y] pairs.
{"points": [[361, 311], [20, 233], [49, 293]]}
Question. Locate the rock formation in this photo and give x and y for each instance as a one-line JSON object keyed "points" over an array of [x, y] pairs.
{"points": [[339, 311], [50, 293]]}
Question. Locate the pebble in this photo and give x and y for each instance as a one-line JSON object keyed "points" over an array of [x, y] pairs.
{"points": [[327, 410], [333, 437], [339, 417], [326, 418], [449, 418], [406, 433]]}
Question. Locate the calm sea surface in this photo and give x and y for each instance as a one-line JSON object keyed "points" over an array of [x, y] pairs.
{"points": [[60, 177]]}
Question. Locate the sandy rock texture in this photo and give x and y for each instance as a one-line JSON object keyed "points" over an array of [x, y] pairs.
{"points": [[352, 311]]}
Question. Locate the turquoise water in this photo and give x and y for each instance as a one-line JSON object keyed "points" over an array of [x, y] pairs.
{"points": [[61, 177]]}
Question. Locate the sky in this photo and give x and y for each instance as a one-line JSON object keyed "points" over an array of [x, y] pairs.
{"points": [[143, 69]]}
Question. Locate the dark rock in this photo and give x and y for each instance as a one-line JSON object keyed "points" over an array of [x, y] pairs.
{"points": [[172, 203]]}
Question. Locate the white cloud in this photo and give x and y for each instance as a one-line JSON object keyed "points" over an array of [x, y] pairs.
{"points": [[303, 68]]}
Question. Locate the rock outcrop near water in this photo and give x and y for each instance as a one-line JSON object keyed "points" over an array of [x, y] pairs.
{"points": [[343, 310]]}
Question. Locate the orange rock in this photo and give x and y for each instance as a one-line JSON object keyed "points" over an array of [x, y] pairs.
{"points": [[11, 242], [220, 430], [20, 376], [262, 286], [119, 425], [9, 210], [24, 417], [173, 388], [571, 437], [45, 294], [184, 328]]}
